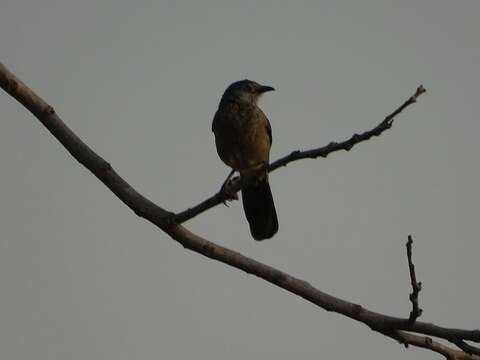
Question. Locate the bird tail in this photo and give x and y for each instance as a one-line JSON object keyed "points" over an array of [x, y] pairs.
{"points": [[260, 210]]}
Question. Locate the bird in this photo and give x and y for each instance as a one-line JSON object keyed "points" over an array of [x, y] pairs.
{"points": [[243, 138]]}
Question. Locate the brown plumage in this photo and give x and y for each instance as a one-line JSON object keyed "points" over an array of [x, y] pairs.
{"points": [[243, 137]]}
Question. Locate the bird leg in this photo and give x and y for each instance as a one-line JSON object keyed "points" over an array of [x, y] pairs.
{"points": [[227, 188]]}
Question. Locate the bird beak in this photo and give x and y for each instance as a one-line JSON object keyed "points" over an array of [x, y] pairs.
{"points": [[262, 89]]}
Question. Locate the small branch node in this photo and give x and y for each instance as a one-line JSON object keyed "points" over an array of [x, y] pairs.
{"points": [[49, 110]]}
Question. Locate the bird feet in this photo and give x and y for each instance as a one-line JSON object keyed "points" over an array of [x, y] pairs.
{"points": [[228, 187]]}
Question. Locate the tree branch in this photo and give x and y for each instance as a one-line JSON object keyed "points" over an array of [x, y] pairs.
{"points": [[323, 152], [160, 217]]}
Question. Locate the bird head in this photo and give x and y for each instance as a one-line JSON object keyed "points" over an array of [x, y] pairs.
{"points": [[245, 90]]}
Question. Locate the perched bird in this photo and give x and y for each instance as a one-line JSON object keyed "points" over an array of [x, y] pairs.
{"points": [[243, 137]]}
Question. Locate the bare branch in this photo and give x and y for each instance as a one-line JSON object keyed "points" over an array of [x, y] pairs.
{"points": [[350, 143], [416, 286], [323, 152], [160, 217]]}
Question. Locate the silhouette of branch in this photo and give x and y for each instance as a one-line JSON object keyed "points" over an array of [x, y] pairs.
{"points": [[397, 328], [323, 152], [416, 286]]}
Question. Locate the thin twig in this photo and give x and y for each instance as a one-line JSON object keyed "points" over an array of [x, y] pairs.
{"points": [[416, 286]]}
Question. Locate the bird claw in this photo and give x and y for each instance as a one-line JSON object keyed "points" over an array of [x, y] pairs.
{"points": [[227, 190]]}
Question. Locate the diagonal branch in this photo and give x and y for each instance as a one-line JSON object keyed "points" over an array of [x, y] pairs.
{"points": [[350, 143], [160, 217], [323, 152]]}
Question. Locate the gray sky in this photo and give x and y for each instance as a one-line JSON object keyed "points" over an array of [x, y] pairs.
{"points": [[81, 277]]}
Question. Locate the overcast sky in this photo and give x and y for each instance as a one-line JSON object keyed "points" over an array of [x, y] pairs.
{"points": [[81, 277]]}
